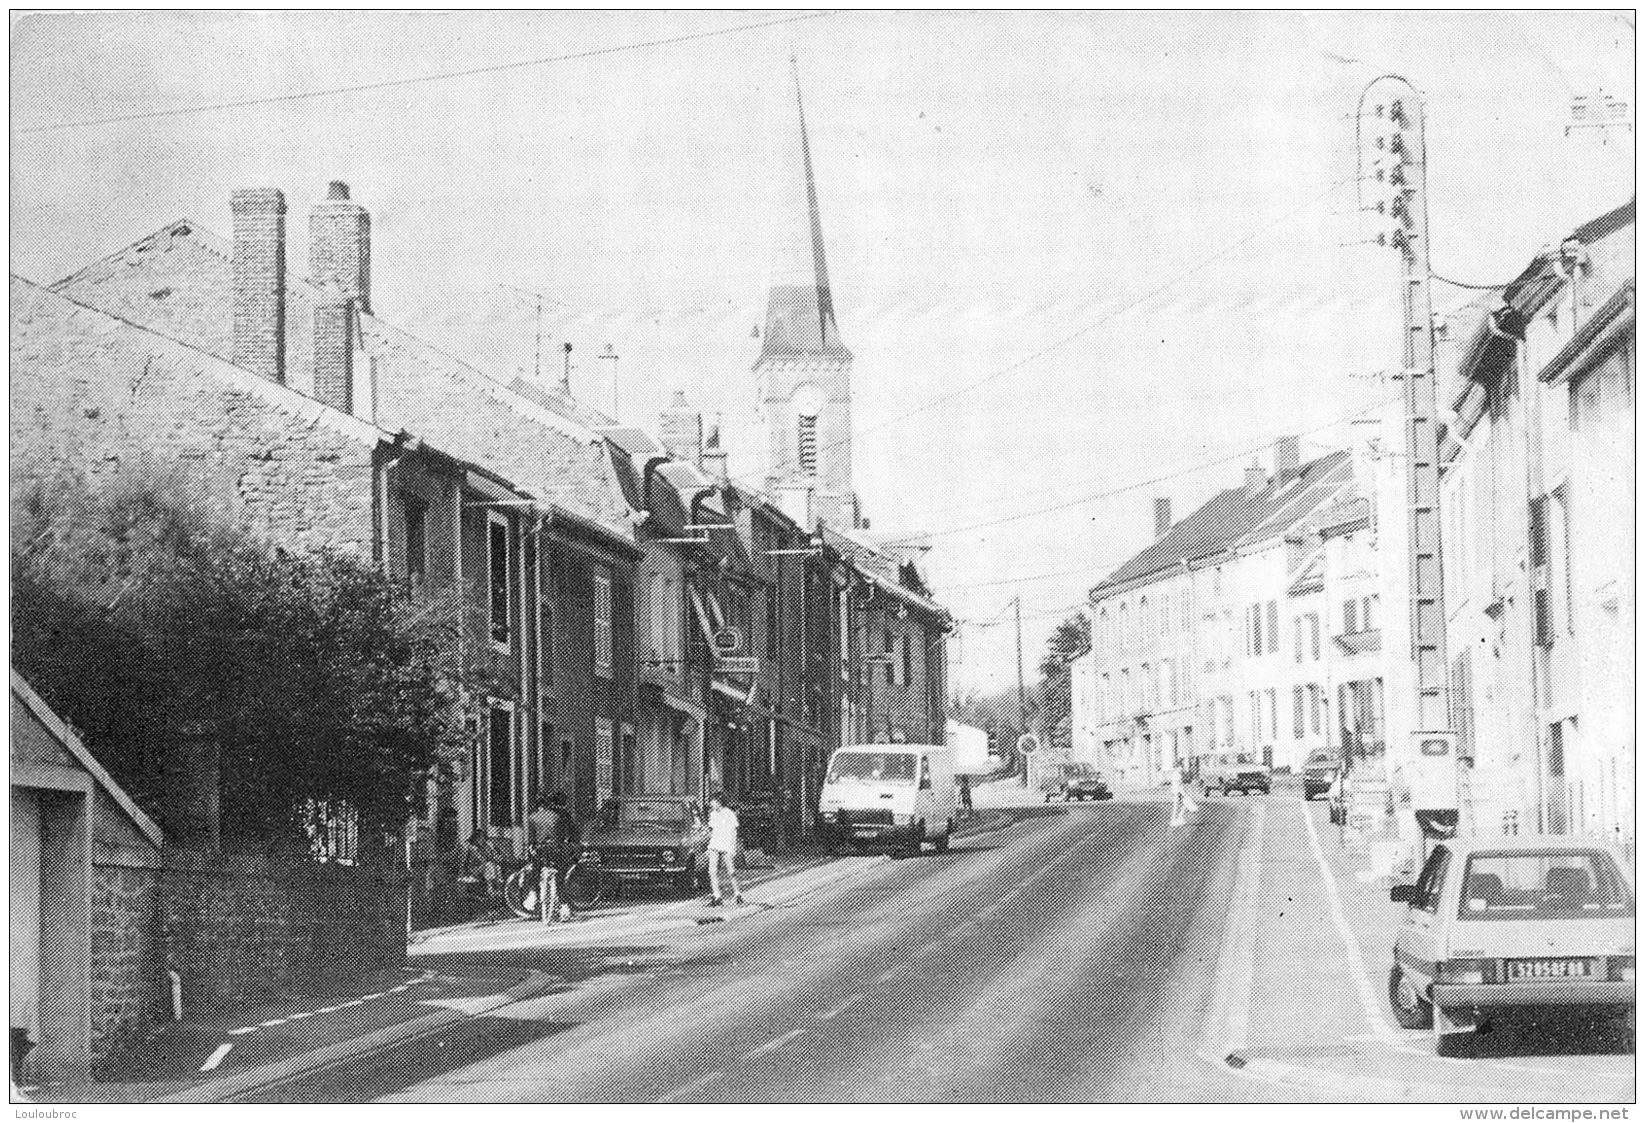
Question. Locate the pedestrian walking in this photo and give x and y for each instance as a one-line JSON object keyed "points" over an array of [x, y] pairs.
{"points": [[965, 794], [1181, 802], [722, 846]]}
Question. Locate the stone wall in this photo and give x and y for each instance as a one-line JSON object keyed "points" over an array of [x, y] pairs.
{"points": [[128, 980], [247, 927]]}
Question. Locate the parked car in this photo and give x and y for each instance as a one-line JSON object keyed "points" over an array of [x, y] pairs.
{"points": [[1500, 924], [1318, 772], [1076, 781], [1239, 774], [655, 839]]}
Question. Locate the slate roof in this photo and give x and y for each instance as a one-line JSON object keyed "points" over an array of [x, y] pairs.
{"points": [[899, 578], [1236, 518], [177, 283]]}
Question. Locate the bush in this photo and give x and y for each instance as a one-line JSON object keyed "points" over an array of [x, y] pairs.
{"points": [[308, 678]]}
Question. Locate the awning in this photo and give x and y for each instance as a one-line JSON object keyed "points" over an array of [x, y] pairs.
{"points": [[739, 696]]}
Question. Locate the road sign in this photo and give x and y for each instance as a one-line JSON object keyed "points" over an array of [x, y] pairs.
{"points": [[737, 664], [728, 641], [1028, 744]]}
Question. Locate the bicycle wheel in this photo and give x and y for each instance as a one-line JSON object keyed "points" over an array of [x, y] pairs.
{"points": [[583, 887], [515, 891]]}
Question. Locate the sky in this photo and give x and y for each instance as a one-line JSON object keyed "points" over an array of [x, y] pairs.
{"points": [[1083, 259]]}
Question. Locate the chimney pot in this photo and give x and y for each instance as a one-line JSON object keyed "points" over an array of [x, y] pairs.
{"points": [[259, 281], [1162, 516], [1287, 458], [339, 245], [1255, 478]]}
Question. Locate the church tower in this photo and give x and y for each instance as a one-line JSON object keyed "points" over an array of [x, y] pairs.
{"points": [[804, 369]]}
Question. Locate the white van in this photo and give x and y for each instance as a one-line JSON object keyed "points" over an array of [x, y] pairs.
{"points": [[888, 795]]}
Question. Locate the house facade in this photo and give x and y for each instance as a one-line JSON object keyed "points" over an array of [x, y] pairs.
{"points": [[1537, 490]]}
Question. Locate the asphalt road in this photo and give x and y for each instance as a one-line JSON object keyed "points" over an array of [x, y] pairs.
{"points": [[1064, 958], [1087, 953]]}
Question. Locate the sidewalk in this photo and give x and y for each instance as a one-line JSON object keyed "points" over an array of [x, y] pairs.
{"points": [[205, 1057], [1316, 1016], [789, 878]]}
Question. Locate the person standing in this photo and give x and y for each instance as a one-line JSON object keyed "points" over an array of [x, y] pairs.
{"points": [[722, 846], [1181, 802], [554, 838]]}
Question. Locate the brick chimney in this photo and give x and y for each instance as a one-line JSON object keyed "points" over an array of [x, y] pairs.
{"points": [[1287, 459], [259, 264], [682, 430], [714, 457], [339, 245], [1255, 478], [334, 316], [1162, 516]]}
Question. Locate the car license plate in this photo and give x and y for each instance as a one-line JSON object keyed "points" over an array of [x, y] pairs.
{"points": [[866, 830], [1519, 969]]}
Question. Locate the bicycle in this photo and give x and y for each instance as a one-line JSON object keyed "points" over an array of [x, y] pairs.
{"points": [[581, 888]]}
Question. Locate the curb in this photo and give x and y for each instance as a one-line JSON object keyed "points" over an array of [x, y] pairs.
{"points": [[235, 1084], [803, 883]]}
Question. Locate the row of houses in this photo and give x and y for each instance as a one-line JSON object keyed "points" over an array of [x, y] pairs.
{"points": [[632, 618], [1253, 628]]}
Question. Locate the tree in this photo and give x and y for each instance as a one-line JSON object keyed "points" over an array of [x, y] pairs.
{"points": [[1070, 639], [308, 678]]}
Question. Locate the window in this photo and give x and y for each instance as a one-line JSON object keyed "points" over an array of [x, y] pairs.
{"points": [[1255, 700], [1147, 687], [772, 619], [1296, 623], [605, 751], [1350, 617], [501, 612], [415, 512], [1273, 714], [602, 623], [1562, 502], [1104, 639], [545, 621], [1124, 635], [890, 660], [1313, 634], [1314, 706], [1273, 626], [500, 765], [1544, 885], [568, 768], [544, 770], [1145, 623], [907, 662], [808, 444], [1168, 683], [844, 598], [1125, 692], [1102, 699], [1298, 728]]}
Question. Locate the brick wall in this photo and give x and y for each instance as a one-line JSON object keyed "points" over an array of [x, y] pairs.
{"points": [[95, 397]]}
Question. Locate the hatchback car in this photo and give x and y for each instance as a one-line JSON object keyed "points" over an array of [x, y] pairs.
{"points": [[1317, 773], [1499, 924], [1235, 774]]}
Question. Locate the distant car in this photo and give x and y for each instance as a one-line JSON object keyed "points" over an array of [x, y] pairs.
{"points": [[1235, 774], [1496, 924], [661, 840], [1083, 788], [1318, 772]]}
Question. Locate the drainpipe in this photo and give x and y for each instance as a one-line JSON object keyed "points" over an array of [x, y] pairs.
{"points": [[176, 995]]}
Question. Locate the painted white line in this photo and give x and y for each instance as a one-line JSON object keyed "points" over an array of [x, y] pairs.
{"points": [[328, 1009], [686, 1089], [1350, 944], [300, 1017], [216, 1058], [841, 1008], [775, 1043], [242, 1030], [888, 974], [274, 1022]]}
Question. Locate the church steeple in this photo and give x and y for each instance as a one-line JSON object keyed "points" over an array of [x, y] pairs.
{"points": [[804, 367], [799, 317]]}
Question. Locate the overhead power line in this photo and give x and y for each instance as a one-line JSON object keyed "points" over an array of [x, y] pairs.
{"points": [[1121, 489], [1199, 266], [417, 80], [1465, 284]]}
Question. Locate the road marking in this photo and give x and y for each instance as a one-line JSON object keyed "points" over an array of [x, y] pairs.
{"points": [[889, 973], [274, 1022], [686, 1089], [300, 1017], [242, 1029], [775, 1043], [217, 1057], [841, 1008], [1356, 959]]}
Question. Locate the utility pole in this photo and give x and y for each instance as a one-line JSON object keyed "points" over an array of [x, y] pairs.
{"points": [[1400, 162], [537, 357], [1022, 690]]}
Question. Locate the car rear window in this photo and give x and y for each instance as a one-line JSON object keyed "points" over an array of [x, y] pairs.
{"points": [[1544, 885]]}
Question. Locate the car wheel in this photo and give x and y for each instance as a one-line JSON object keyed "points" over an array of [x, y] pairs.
{"points": [[1411, 1010], [940, 844]]}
